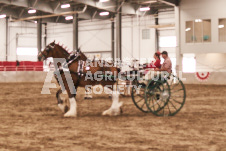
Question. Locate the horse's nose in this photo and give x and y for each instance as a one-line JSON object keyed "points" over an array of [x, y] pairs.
{"points": [[39, 58]]}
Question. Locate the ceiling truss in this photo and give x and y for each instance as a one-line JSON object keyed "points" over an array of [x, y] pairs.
{"points": [[17, 9]]}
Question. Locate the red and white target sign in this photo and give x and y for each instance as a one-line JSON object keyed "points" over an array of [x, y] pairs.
{"points": [[203, 76]]}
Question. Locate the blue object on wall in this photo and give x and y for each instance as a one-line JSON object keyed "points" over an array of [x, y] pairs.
{"points": [[206, 37]]}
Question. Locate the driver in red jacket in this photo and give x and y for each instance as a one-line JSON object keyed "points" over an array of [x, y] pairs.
{"points": [[157, 63]]}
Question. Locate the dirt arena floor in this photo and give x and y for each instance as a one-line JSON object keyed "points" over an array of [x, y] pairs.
{"points": [[30, 121]]}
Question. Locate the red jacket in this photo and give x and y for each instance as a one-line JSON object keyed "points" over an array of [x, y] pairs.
{"points": [[156, 64]]}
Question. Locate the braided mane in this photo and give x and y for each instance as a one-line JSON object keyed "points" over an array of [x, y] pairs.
{"points": [[63, 49], [68, 53]]}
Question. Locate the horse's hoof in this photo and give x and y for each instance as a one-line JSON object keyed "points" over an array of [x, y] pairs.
{"points": [[107, 112], [86, 98], [112, 112], [70, 114]]}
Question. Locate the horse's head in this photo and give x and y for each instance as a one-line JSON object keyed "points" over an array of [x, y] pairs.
{"points": [[47, 52]]}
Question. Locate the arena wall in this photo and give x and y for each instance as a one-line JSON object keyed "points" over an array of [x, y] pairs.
{"points": [[215, 78], [21, 34], [2, 39]]}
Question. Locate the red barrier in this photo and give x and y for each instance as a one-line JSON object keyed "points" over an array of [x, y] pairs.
{"points": [[23, 66]]}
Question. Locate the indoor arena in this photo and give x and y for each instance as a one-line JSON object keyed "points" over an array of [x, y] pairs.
{"points": [[112, 75]]}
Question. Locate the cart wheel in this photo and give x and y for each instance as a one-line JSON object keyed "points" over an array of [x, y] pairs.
{"points": [[177, 95], [138, 96], [172, 96], [156, 96]]}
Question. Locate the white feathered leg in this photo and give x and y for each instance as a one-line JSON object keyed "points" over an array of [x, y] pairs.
{"points": [[115, 107], [108, 91], [62, 107], [73, 108]]}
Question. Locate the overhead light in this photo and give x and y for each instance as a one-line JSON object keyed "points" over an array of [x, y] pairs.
{"points": [[31, 11], [198, 20], [3, 16], [221, 26], [35, 22], [103, 1], [65, 5], [142, 9], [69, 18], [104, 13], [187, 29]]}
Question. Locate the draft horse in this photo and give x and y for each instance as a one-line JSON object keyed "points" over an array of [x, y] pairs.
{"points": [[78, 73]]}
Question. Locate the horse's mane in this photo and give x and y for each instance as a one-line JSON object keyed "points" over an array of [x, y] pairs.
{"points": [[64, 49], [68, 53]]}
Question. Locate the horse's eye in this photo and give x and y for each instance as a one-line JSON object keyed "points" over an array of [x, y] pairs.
{"points": [[47, 49]]}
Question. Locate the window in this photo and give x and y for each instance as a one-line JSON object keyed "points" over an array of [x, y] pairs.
{"points": [[189, 31], [206, 31], [27, 51], [27, 54], [222, 30], [198, 31], [167, 41]]}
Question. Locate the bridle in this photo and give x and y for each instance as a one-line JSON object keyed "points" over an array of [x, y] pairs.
{"points": [[47, 49]]}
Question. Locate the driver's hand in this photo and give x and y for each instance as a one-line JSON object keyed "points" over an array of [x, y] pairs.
{"points": [[157, 69]]}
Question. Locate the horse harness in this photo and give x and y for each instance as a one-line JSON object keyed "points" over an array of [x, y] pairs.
{"points": [[80, 69]]}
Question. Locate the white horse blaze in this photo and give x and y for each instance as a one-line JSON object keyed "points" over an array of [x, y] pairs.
{"points": [[73, 108]]}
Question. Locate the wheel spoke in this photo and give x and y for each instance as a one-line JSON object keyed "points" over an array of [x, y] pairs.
{"points": [[176, 101], [153, 103], [176, 91], [141, 96], [157, 103], [173, 86], [142, 106], [139, 100], [160, 104], [168, 108], [149, 100], [163, 110], [178, 96], [171, 81], [173, 105]]}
